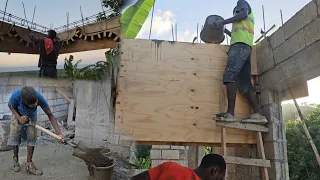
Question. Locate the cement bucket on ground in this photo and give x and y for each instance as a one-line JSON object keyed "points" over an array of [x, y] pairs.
{"points": [[212, 35], [4, 134], [104, 172]]}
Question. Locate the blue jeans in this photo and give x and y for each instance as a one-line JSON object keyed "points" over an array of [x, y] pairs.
{"points": [[238, 69]]}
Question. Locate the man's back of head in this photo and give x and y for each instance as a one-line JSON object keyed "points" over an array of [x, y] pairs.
{"points": [[213, 167], [52, 34]]}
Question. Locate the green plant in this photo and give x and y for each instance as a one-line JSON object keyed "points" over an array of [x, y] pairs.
{"points": [[208, 150], [134, 17], [70, 70], [143, 163], [301, 158]]}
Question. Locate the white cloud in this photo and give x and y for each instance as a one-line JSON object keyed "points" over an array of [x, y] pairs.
{"points": [[162, 24], [162, 27]]}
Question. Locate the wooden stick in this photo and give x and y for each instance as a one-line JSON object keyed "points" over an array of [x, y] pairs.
{"points": [[48, 132], [63, 95], [224, 146], [305, 128], [261, 155]]}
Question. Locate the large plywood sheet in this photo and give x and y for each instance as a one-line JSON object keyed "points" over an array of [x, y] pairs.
{"points": [[168, 92]]}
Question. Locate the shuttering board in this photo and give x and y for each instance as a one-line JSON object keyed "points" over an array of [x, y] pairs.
{"points": [[168, 92]]}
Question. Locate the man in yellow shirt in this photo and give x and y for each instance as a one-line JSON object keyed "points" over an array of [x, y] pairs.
{"points": [[238, 71]]}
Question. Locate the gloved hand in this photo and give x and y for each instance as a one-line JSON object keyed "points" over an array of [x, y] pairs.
{"points": [[217, 24]]}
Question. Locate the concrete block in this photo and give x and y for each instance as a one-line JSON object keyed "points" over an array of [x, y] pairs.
{"points": [[50, 96], [55, 83], [51, 102], [155, 154], [34, 82], [4, 81], [273, 133], [60, 114], [59, 108], [290, 47], [61, 101], [312, 33], [15, 81], [272, 150], [170, 154], [155, 163], [183, 154], [277, 38], [10, 89], [48, 89], [2, 89], [300, 19], [178, 147], [265, 56], [160, 146], [6, 97]]}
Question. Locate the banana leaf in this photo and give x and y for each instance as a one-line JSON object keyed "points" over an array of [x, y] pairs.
{"points": [[134, 17]]}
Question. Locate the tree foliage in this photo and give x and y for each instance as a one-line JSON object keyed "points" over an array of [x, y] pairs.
{"points": [[301, 158]]}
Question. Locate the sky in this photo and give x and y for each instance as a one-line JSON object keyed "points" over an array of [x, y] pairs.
{"points": [[47, 13], [167, 12]]}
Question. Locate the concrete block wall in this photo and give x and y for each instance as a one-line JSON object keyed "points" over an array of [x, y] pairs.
{"points": [[165, 153], [58, 105], [291, 53]]}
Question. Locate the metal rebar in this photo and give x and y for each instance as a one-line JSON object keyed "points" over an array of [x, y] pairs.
{"points": [[264, 22], [281, 17], [152, 19], [24, 10]]}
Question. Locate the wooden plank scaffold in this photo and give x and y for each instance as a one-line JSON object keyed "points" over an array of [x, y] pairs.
{"points": [[263, 163]]}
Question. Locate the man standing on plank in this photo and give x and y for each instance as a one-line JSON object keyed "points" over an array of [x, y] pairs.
{"points": [[49, 52], [212, 167], [23, 104], [238, 70]]}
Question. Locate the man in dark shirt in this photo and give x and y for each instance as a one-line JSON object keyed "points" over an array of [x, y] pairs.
{"points": [[238, 70], [49, 52]]}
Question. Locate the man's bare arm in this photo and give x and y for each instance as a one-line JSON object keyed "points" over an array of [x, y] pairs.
{"points": [[141, 176], [53, 121], [227, 32], [242, 15], [14, 112]]}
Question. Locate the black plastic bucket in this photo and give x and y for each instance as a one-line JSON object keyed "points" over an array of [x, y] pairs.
{"points": [[212, 35]]}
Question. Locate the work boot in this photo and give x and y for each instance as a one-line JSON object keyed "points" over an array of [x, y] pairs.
{"points": [[16, 165], [255, 119], [226, 117], [31, 169]]}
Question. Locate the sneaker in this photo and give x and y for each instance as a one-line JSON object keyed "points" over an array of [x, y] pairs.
{"points": [[226, 117], [256, 119], [16, 165], [31, 169]]}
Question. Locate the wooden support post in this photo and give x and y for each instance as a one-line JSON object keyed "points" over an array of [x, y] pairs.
{"points": [[104, 33], [70, 107], [63, 95], [9, 34], [80, 36], [99, 36], [16, 35], [92, 38], [224, 146], [21, 40], [116, 38], [85, 38], [110, 33], [305, 128], [71, 39], [261, 155], [1, 37]]}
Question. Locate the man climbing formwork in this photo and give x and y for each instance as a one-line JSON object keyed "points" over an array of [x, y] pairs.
{"points": [[238, 70], [23, 104], [49, 52], [212, 167]]}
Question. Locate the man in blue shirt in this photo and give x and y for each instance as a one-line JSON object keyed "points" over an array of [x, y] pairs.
{"points": [[23, 103]]}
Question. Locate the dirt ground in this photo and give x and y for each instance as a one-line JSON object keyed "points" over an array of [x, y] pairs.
{"points": [[54, 159]]}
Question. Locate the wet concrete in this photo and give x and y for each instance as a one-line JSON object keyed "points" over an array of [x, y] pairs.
{"points": [[54, 159]]}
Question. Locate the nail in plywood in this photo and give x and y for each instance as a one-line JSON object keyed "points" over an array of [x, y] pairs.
{"points": [[168, 92]]}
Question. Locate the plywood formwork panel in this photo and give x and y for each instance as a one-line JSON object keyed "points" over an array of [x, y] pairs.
{"points": [[168, 92]]}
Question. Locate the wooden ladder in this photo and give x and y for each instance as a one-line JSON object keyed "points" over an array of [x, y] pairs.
{"points": [[263, 163]]}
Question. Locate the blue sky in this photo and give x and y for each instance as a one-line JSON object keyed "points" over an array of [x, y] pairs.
{"points": [[187, 15]]}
